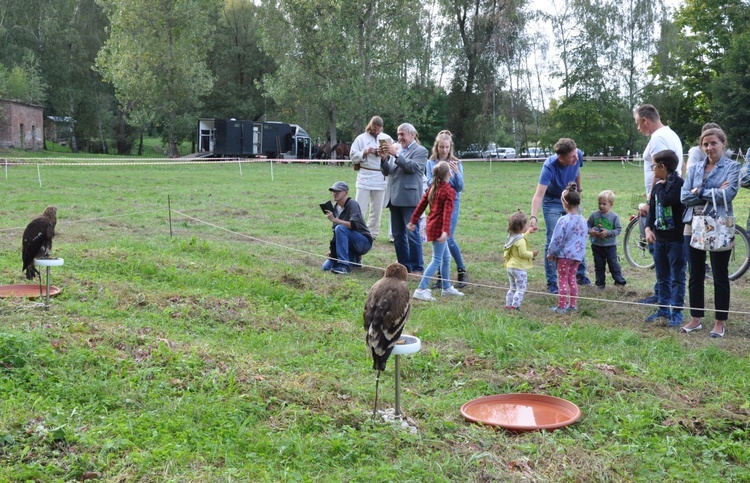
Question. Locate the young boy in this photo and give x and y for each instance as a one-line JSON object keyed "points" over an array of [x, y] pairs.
{"points": [[664, 229], [604, 226]]}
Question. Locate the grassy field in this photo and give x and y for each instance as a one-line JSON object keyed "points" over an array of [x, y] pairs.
{"points": [[214, 349]]}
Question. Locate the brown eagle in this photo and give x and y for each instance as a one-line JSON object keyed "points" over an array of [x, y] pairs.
{"points": [[37, 240], [386, 311]]}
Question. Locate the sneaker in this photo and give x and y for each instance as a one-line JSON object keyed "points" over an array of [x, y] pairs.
{"points": [[571, 310], [659, 314], [340, 270], [676, 319], [425, 295], [357, 262], [583, 280], [558, 310], [452, 291], [552, 289], [651, 299]]}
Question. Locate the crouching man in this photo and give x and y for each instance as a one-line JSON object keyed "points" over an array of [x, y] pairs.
{"points": [[351, 238]]}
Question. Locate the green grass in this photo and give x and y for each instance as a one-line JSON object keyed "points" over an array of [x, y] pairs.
{"points": [[223, 353]]}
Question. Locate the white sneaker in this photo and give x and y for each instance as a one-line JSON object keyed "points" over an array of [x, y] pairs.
{"points": [[425, 295], [452, 291]]}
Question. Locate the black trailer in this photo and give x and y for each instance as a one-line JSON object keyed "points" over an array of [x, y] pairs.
{"points": [[235, 138]]}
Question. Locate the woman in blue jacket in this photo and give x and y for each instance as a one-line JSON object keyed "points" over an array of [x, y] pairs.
{"points": [[715, 177]]}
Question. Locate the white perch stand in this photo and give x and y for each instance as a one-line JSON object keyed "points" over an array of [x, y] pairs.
{"points": [[407, 344], [49, 263]]}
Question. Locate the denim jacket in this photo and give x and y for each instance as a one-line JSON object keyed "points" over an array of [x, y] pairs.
{"points": [[725, 170]]}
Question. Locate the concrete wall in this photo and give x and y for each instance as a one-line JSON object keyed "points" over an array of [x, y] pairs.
{"points": [[21, 125]]}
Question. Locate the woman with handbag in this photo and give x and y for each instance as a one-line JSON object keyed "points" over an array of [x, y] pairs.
{"points": [[710, 186]]}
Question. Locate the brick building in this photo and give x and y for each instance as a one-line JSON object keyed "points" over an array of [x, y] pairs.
{"points": [[21, 125]]}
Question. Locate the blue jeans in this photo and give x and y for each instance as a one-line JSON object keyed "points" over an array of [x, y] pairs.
{"points": [[642, 227], [552, 209], [440, 260], [669, 259], [452, 245], [349, 244], [408, 244]]}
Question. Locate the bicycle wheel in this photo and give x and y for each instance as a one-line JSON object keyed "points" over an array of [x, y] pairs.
{"points": [[636, 247], [740, 259]]}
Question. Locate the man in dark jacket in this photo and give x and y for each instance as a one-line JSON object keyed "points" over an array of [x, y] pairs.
{"points": [[351, 238]]}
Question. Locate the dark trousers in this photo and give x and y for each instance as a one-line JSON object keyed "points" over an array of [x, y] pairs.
{"points": [[720, 273], [408, 244], [606, 255]]}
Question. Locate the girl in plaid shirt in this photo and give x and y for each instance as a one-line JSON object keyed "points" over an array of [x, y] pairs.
{"points": [[440, 198]]}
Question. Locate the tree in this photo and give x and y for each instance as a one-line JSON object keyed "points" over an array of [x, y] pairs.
{"points": [[708, 26], [157, 62], [731, 92], [343, 60], [483, 29], [238, 65]]}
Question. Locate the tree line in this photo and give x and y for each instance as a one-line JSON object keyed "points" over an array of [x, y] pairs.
{"points": [[488, 70]]}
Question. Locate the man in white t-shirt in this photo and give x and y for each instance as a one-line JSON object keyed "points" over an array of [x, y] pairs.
{"points": [[661, 138]]}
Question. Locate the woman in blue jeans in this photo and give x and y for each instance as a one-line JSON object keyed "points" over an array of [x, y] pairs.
{"points": [[442, 150], [715, 177]]}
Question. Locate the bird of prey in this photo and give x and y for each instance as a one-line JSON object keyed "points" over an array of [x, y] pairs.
{"points": [[37, 240], [386, 311]]}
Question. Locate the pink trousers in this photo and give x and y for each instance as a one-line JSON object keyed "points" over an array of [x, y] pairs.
{"points": [[566, 282]]}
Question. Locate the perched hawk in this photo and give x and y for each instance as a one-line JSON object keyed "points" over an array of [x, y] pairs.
{"points": [[37, 240], [386, 311]]}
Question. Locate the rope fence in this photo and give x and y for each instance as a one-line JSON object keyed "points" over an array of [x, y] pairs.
{"points": [[490, 286]]}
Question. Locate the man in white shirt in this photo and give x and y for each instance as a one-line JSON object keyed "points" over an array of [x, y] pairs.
{"points": [[661, 138]]}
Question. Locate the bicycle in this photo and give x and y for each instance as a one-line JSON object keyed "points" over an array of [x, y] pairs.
{"points": [[638, 255]]}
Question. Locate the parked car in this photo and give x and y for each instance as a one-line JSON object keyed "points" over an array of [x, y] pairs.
{"points": [[535, 153], [500, 153], [472, 151]]}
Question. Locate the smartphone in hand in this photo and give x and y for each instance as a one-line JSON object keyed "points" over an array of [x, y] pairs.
{"points": [[327, 206]]}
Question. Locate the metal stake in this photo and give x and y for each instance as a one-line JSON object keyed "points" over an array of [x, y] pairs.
{"points": [[398, 385], [46, 306]]}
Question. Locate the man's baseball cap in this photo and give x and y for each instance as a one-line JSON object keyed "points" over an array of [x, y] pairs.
{"points": [[339, 186]]}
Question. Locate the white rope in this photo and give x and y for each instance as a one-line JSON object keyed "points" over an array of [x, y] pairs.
{"points": [[382, 269]]}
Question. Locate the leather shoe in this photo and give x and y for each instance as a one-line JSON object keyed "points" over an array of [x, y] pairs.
{"points": [[687, 330]]}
